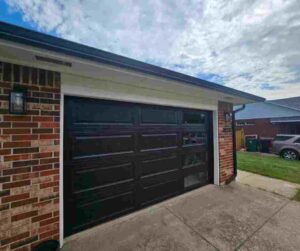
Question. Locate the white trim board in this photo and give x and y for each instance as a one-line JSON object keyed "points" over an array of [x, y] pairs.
{"points": [[216, 147], [85, 87], [61, 174]]}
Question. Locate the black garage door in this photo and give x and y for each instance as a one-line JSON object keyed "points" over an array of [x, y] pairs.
{"points": [[119, 157]]}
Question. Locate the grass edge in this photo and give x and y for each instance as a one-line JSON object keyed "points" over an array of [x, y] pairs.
{"points": [[297, 195]]}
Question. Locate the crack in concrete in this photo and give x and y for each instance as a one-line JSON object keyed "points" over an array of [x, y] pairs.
{"points": [[260, 227]]}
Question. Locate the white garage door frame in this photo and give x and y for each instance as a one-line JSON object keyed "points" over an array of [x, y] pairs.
{"points": [[91, 88]]}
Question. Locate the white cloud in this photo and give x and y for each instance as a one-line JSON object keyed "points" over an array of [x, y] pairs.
{"points": [[249, 45]]}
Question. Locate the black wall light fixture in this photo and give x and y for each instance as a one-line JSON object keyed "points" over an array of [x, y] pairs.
{"points": [[228, 116], [17, 101], [228, 122]]}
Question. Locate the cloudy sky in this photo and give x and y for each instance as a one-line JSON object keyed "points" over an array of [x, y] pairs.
{"points": [[250, 45]]}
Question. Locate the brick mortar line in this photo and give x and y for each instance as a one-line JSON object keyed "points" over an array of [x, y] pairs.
{"points": [[190, 227], [259, 228]]}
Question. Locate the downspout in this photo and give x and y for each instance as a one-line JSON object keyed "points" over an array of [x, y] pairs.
{"points": [[234, 139]]}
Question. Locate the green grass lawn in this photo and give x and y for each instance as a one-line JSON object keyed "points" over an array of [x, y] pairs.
{"points": [[271, 166], [297, 196]]}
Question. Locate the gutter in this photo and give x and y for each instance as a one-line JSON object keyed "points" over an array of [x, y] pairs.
{"points": [[234, 139]]}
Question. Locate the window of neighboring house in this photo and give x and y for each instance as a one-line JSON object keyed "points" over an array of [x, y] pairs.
{"points": [[297, 141], [282, 138], [243, 123]]}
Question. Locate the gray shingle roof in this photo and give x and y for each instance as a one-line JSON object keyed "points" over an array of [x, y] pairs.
{"points": [[293, 103], [282, 108]]}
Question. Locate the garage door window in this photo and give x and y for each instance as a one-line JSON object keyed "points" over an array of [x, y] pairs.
{"points": [[194, 179], [193, 159], [191, 117], [194, 138], [194, 168]]}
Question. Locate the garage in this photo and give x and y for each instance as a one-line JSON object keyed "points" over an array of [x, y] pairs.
{"points": [[119, 157], [88, 136]]}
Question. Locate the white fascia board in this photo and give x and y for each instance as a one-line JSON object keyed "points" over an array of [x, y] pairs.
{"points": [[102, 89]]}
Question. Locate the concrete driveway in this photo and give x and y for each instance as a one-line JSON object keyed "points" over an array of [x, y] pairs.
{"points": [[280, 187], [234, 217]]}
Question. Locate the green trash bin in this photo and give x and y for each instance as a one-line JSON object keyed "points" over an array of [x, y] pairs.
{"points": [[252, 145]]}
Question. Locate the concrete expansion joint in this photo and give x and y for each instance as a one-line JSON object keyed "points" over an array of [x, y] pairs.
{"points": [[190, 227], [264, 223]]}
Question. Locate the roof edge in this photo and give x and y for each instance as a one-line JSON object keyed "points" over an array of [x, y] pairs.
{"points": [[270, 117], [285, 106], [29, 37]]}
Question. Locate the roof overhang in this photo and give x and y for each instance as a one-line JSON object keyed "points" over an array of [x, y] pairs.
{"points": [[19, 45]]}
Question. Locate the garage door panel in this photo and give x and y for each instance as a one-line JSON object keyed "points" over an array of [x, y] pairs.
{"points": [[94, 177], [158, 140], [87, 129], [100, 161], [119, 157], [159, 185], [157, 163], [91, 146], [103, 192], [160, 191], [157, 178], [100, 209]]}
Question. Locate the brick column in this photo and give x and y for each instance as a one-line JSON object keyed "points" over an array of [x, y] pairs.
{"points": [[29, 167], [225, 143]]}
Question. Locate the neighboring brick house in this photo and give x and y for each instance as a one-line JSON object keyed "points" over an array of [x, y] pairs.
{"points": [[266, 119], [102, 135]]}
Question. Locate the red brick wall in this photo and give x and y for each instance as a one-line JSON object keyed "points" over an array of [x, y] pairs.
{"points": [[261, 127], [225, 144], [29, 150]]}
